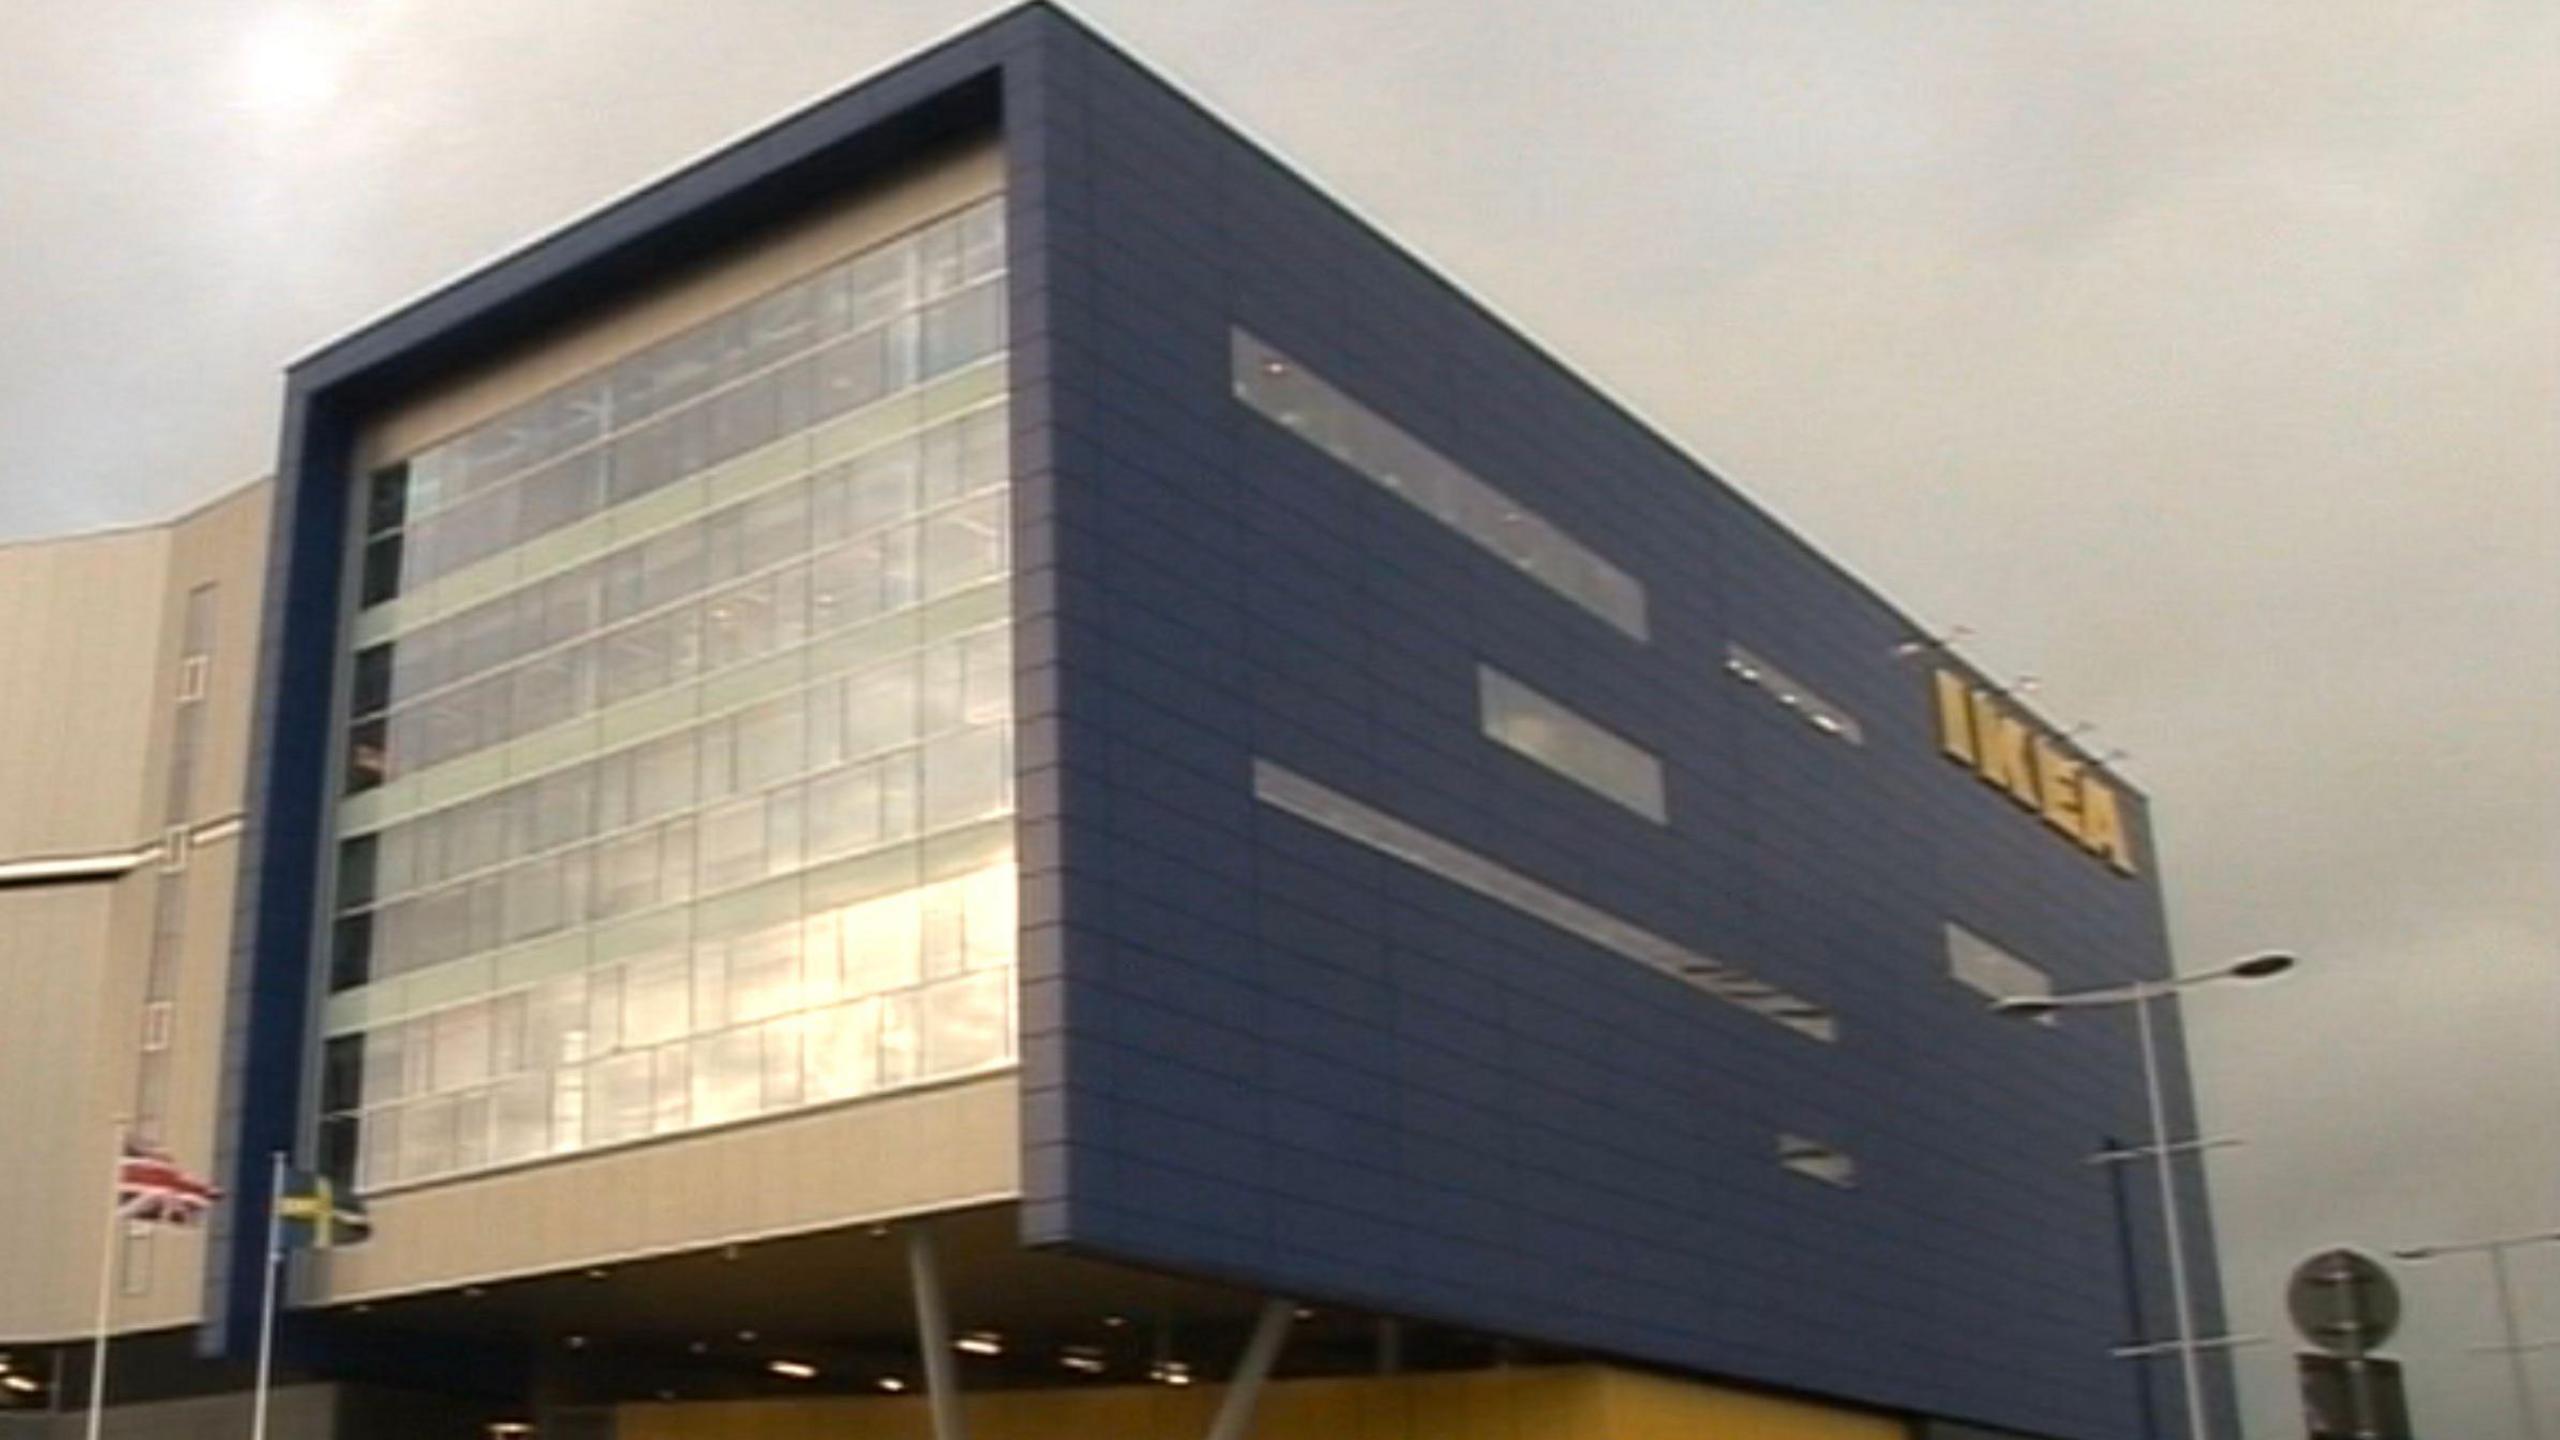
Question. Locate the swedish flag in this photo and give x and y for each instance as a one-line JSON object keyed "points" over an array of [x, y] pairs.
{"points": [[312, 1215]]}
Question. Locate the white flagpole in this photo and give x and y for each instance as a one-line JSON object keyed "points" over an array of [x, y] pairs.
{"points": [[106, 1282], [267, 1314]]}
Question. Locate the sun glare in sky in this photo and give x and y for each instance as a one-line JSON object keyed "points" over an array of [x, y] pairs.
{"points": [[291, 62]]}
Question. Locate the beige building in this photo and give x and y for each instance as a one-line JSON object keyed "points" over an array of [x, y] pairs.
{"points": [[127, 671]]}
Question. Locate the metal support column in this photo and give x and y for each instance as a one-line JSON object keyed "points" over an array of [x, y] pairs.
{"points": [[1244, 1388], [933, 1337]]}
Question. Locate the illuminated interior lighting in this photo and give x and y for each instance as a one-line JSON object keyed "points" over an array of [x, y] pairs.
{"points": [[597, 1272], [890, 1383], [980, 1342], [746, 1337], [1083, 1359], [20, 1383], [576, 1342], [792, 1369]]}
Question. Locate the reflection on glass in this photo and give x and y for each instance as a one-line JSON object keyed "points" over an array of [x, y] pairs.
{"points": [[1308, 406], [1569, 743], [724, 816]]}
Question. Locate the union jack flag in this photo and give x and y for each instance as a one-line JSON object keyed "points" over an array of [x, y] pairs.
{"points": [[151, 1187]]}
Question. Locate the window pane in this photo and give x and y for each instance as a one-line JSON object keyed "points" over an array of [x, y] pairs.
{"points": [[966, 1026], [471, 1131], [781, 1043], [671, 1088], [620, 1101], [844, 1050], [728, 1076], [771, 740], [426, 1139], [462, 1046], [964, 545], [380, 1164], [601, 636], [385, 1070], [994, 896], [842, 812], [901, 1038], [556, 1029], [1565, 742], [880, 709], [882, 944], [520, 1118], [733, 841], [967, 775], [657, 999]]}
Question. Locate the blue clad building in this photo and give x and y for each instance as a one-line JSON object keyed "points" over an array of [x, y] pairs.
{"points": [[986, 664]]}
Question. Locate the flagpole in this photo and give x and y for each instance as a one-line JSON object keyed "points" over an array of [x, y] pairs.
{"points": [[106, 1283], [267, 1312]]}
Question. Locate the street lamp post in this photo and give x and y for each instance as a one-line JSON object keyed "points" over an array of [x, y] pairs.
{"points": [[2139, 994], [2515, 1347]]}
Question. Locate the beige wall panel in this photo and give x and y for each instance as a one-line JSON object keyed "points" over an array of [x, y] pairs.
{"points": [[298, 1412], [79, 638], [174, 1294], [89, 640], [874, 1159], [725, 281], [53, 1196]]}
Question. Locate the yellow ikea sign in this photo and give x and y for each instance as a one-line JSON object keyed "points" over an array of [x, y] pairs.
{"points": [[1976, 731]]}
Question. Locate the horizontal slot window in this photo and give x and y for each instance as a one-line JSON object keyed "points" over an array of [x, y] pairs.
{"points": [[1290, 395], [1285, 789], [1979, 965], [1521, 719], [1793, 695], [1814, 1160]]}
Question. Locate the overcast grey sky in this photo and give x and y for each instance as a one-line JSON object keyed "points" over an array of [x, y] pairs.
{"points": [[2203, 355]]}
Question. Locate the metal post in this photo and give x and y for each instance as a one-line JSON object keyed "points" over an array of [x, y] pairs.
{"points": [[933, 1337], [267, 1307], [1244, 1388], [2188, 1370], [2515, 1342], [106, 1284]]}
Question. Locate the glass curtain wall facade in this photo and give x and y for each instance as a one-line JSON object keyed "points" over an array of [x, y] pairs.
{"points": [[678, 762]]}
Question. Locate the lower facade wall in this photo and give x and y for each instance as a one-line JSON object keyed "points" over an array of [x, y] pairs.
{"points": [[1567, 1403], [296, 1412]]}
